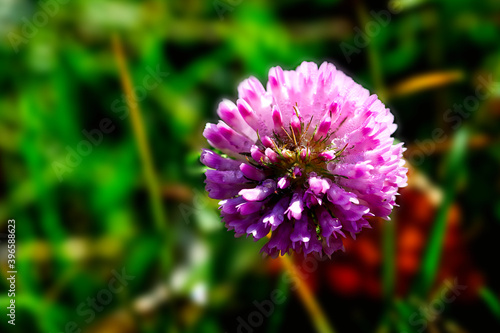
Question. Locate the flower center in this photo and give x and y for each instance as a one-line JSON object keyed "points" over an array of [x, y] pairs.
{"points": [[295, 152]]}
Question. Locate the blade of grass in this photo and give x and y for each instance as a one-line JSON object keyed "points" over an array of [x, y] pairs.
{"points": [[150, 175], [491, 301], [432, 255], [276, 320], [140, 136], [388, 269], [33, 151], [374, 60], [402, 314]]}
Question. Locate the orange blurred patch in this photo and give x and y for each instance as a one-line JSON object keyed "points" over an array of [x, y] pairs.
{"points": [[426, 81], [358, 269]]}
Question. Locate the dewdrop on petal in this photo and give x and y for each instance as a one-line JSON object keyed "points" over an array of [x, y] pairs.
{"points": [[307, 159]]}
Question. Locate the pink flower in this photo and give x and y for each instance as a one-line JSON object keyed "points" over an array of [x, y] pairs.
{"points": [[308, 158]]}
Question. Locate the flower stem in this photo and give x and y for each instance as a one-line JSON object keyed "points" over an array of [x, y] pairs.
{"points": [[319, 319]]}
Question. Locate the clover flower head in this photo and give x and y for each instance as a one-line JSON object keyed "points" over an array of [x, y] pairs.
{"points": [[306, 159]]}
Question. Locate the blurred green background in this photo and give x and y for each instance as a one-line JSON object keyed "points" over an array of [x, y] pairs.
{"points": [[114, 232]]}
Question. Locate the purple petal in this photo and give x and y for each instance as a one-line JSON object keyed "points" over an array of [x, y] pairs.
{"points": [[258, 156], [314, 245], [229, 206], [240, 223], [327, 155], [252, 172], [248, 114], [267, 142], [296, 207], [213, 136], [318, 185], [296, 124], [260, 192], [277, 214], [273, 157], [332, 244], [231, 115], [215, 161], [225, 177], [297, 171], [311, 199], [283, 182], [338, 195], [223, 191], [280, 240], [236, 139], [277, 120], [323, 129], [247, 208], [258, 230], [302, 231], [329, 225]]}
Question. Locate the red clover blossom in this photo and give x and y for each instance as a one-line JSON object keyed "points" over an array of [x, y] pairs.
{"points": [[307, 159]]}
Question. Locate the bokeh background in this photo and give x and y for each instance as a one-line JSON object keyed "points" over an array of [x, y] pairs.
{"points": [[131, 202]]}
